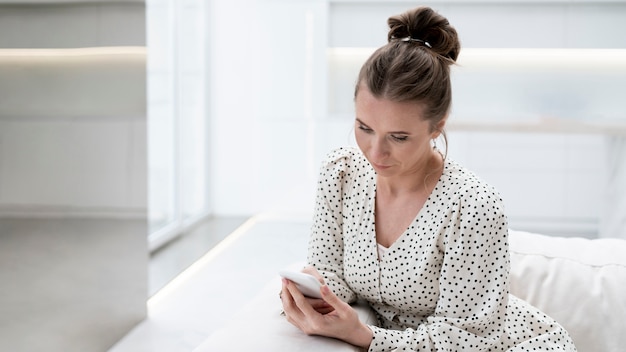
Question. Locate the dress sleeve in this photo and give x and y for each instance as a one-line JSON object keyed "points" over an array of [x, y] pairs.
{"points": [[473, 282], [326, 246]]}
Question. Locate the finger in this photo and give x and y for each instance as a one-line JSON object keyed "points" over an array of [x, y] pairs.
{"points": [[289, 304], [305, 308], [294, 293], [290, 309], [282, 289], [332, 299], [312, 271], [283, 293], [299, 300]]}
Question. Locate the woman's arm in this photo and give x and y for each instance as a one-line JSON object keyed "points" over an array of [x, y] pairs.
{"points": [[325, 251], [338, 320]]}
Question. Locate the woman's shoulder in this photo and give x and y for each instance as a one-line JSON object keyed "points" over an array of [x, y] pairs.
{"points": [[342, 153], [345, 158], [466, 184], [346, 164]]}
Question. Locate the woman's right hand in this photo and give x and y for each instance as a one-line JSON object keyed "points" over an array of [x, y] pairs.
{"points": [[310, 269], [318, 304], [341, 322]]}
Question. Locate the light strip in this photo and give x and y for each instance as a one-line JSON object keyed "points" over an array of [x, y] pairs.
{"points": [[65, 52], [553, 58], [198, 265]]}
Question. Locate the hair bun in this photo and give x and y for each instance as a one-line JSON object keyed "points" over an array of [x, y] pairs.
{"points": [[424, 25]]}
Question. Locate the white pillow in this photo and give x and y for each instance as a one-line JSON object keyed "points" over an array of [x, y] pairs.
{"points": [[579, 282]]}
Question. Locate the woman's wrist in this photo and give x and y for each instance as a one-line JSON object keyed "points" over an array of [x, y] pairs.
{"points": [[362, 337]]}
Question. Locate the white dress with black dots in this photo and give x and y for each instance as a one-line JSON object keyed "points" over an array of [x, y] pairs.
{"points": [[443, 285]]}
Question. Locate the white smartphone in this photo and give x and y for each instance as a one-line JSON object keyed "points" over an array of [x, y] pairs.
{"points": [[307, 284]]}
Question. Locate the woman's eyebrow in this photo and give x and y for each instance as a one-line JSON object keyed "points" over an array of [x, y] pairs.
{"points": [[392, 132]]}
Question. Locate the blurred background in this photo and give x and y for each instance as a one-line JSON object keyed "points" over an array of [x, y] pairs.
{"points": [[127, 126], [260, 91]]}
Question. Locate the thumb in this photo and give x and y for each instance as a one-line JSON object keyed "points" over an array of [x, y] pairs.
{"points": [[330, 297]]}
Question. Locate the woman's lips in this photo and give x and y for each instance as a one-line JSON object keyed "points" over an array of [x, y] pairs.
{"points": [[382, 167]]}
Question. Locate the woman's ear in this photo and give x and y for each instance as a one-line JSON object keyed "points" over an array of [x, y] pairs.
{"points": [[438, 128]]}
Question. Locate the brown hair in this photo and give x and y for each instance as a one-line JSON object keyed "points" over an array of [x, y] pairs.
{"points": [[414, 64]]}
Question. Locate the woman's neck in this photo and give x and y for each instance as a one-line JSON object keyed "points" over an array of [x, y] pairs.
{"points": [[421, 180]]}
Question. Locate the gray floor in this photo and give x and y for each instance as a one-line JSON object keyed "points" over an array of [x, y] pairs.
{"points": [[70, 284]]}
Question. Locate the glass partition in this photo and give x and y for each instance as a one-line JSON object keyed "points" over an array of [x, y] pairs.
{"points": [[177, 116]]}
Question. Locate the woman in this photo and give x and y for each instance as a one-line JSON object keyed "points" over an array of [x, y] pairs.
{"points": [[398, 224]]}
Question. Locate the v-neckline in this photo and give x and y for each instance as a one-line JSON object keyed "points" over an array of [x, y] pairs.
{"points": [[417, 216]]}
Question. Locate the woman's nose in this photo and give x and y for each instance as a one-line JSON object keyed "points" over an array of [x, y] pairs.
{"points": [[379, 147]]}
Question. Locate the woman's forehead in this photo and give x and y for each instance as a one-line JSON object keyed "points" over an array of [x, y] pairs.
{"points": [[369, 107]]}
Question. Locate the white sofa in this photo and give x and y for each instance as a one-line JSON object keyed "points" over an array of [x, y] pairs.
{"points": [[579, 282]]}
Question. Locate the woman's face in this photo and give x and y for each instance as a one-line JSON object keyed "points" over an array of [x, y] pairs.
{"points": [[393, 136]]}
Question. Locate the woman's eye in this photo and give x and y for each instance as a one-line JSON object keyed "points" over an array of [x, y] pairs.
{"points": [[365, 129], [399, 138]]}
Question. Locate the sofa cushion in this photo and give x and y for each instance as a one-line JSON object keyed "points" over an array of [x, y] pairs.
{"points": [[579, 282], [259, 326]]}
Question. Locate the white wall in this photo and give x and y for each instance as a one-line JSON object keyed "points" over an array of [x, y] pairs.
{"points": [[71, 23], [267, 84], [72, 122], [491, 23], [73, 132], [272, 120]]}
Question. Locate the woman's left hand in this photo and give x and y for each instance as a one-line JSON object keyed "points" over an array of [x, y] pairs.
{"points": [[341, 323]]}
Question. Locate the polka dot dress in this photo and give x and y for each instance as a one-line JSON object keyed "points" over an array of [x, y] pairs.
{"points": [[443, 285]]}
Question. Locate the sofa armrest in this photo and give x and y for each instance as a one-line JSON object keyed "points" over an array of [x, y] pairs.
{"points": [[579, 282]]}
